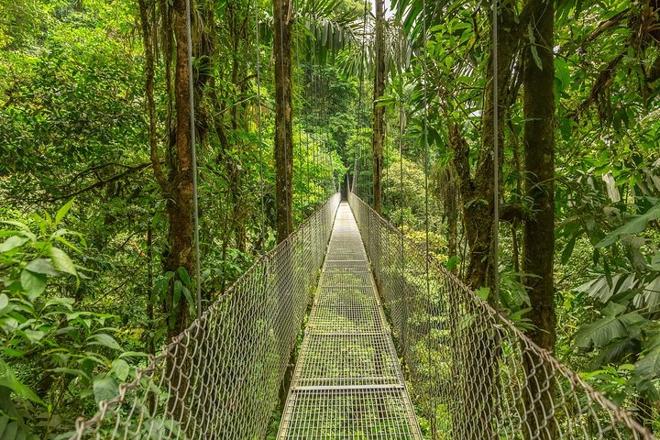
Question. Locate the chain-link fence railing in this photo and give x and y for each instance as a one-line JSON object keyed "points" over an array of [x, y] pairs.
{"points": [[472, 374], [220, 378]]}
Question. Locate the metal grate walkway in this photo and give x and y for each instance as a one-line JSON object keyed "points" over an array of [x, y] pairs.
{"points": [[347, 383]]}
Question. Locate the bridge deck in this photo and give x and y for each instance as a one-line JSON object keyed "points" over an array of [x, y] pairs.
{"points": [[347, 383]]}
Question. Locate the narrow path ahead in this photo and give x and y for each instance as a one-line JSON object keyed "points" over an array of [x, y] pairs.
{"points": [[347, 383]]}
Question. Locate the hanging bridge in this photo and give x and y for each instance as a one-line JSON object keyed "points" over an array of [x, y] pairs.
{"points": [[394, 347]]}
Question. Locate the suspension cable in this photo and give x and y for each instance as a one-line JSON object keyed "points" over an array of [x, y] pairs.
{"points": [[496, 158], [401, 219], [427, 255], [262, 226], [402, 115], [425, 140], [300, 135], [191, 103], [358, 154]]}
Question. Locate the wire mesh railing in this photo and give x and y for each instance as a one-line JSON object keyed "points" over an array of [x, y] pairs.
{"points": [[220, 378], [471, 373]]}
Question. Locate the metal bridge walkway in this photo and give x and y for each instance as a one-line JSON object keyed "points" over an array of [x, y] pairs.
{"points": [[347, 383], [474, 374]]}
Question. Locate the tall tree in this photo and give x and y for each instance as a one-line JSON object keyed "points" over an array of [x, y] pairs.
{"points": [[539, 239], [180, 201], [378, 137], [283, 117]]}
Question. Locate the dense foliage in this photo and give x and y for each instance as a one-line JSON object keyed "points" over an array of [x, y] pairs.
{"points": [[87, 290]]}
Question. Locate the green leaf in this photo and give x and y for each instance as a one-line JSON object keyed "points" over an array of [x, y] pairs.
{"points": [[8, 380], [452, 262], [190, 301], [22, 226], [600, 333], [4, 420], [651, 293], [614, 309], [568, 250], [4, 301], [634, 226], [597, 288], [648, 367], [34, 335], [121, 369], [176, 292], [483, 293], [132, 354], [43, 266], [105, 340], [632, 319], [62, 261], [184, 276], [61, 233], [62, 212], [561, 72], [105, 388], [12, 243], [10, 432], [33, 284], [65, 303]]}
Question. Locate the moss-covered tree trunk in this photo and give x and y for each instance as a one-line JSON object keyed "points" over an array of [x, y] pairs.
{"points": [[538, 246], [282, 21], [180, 253], [180, 201], [378, 136]]}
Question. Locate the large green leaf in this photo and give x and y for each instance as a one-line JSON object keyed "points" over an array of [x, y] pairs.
{"points": [[648, 367], [603, 289], [634, 226], [62, 261], [12, 242], [43, 266], [63, 211], [33, 283], [600, 333], [104, 340], [121, 369], [105, 388], [652, 294]]}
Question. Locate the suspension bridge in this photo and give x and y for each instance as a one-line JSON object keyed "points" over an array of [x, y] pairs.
{"points": [[394, 347]]}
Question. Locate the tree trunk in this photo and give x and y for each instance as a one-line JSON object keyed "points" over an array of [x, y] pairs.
{"points": [[538, 246], [283, 118], [180, 254], [180, 203], [515, 243], [451, 201], [378, 137], [282, 23]]}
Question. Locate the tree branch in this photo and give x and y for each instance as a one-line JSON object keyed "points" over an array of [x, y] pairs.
{"points": [[603, 81], [514, 212], [101, 183]]}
